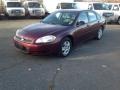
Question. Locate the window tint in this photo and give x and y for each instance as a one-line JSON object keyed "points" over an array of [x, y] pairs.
{"points": [[92, 16], [83, 17]]}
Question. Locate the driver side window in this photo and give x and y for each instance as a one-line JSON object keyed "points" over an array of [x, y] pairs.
{"points": [[83, 17]]}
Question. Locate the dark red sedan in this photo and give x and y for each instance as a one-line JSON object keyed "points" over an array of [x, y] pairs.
{"points": [[59, 32]]}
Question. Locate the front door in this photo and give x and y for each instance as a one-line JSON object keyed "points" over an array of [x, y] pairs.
{"points": [[82, 29]]}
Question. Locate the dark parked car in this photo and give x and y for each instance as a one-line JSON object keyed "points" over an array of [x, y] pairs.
{"points": [[59, 32]]}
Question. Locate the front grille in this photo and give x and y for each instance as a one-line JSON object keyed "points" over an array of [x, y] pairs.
{"points": [[108, 14], [16, 12], [36, 11], [23, 39]]}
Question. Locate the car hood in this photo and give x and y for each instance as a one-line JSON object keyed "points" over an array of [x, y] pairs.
{"points": [[40, 29]]}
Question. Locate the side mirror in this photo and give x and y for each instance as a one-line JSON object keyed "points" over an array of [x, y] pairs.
{"points": [[80, 23], [58, 7]]}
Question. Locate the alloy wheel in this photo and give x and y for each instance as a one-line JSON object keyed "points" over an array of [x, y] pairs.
{"points": [[65, 47]]}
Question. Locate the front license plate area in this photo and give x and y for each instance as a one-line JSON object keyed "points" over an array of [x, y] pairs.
{"points": [[20, 46]]}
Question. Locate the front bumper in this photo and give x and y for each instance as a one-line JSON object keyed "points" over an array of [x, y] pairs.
{"points": [[109, 19], [36, 49], [36, 13], [15, 15]]}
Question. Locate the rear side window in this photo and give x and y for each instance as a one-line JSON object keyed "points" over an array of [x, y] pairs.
{"points": [[92, 16], [83, 17], [116, 7], [98, 16]]}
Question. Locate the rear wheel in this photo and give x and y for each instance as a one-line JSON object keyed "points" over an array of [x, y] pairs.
{"points": [[119, 20], [65, 47]]}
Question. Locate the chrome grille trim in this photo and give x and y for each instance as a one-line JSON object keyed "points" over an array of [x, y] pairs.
{"points": [[23, 39]]}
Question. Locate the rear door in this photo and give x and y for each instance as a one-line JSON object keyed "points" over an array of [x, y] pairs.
{"points": [[93, 24]]}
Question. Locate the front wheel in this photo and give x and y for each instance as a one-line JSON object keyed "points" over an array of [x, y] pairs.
{"points": [[65, 47], [99, 34]]}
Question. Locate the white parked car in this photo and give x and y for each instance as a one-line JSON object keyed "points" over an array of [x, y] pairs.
{"points": [[33, 8], [115, 9], [11, 8]]}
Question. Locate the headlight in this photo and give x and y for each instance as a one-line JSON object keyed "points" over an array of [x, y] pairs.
{"points": [[46, 39]]}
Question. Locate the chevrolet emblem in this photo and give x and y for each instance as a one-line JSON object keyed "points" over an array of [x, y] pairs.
{"points": [[22, 39]]}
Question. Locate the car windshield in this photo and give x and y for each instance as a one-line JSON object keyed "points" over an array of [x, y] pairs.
{"points": [[61, 18], [110, 7], [33, 5], [14, 4], [68, 6], [100, 6]]}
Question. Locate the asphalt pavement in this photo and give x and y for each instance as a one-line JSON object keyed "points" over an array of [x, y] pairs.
{"points": [[94, 65]]}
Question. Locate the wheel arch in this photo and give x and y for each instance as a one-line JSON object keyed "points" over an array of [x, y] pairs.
{"points": [[71, 38], [118, 19], [103, 27]]}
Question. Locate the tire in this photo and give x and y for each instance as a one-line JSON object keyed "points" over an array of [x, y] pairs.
{"points": [[118, 21], [65, 47], [99, 34]]}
